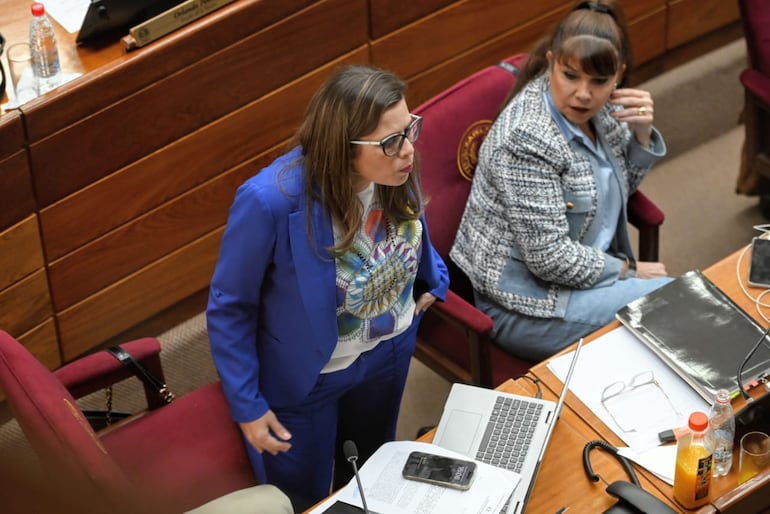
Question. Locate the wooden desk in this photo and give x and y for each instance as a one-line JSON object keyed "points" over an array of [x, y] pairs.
{"points": [[561, 481], [751, 497]]}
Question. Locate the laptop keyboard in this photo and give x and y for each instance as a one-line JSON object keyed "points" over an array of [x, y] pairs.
{"points": [[509, 433]]}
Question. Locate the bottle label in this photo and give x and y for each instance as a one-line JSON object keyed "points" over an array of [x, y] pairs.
{"points": [[703, 477]]}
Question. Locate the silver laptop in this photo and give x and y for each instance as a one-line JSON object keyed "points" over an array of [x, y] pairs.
{"points": [[506, 430]]}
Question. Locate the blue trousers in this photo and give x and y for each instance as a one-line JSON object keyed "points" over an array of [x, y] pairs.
{"points": [[359, 403], [536, 339]]}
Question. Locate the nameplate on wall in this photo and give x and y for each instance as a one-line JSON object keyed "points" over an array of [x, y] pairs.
{"points": [[169, 21]]}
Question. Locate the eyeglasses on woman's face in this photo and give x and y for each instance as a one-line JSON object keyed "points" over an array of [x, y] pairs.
{"points": [[391, 145]]}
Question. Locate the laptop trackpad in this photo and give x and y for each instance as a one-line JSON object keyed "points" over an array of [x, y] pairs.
{"points": [[462, 428]]}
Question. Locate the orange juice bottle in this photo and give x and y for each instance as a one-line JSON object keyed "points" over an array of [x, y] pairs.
{"points": [[694, 463]]}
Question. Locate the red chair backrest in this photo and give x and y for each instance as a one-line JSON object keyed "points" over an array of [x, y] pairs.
{"points": [[755, 16], [455, 123], [73, 457]]}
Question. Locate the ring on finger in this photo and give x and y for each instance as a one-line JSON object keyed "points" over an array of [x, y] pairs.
{"points": [[642, 110]]}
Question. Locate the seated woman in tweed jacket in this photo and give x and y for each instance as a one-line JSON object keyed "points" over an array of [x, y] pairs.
{"points": [[544, 235]]}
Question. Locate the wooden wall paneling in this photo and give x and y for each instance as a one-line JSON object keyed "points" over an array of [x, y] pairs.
{"points": [[41, 341], [438, 78], [138, 296], [25, 304], [451, 31], [638, 8], [388, 15], [193, 97], [688, 19], [234, 139], [648, 36], [20, 251], [145, 239], [115, 76], [16, 195], [12, 137]]}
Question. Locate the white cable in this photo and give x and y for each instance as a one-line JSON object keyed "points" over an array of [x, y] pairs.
{"points": [[765, 229]]}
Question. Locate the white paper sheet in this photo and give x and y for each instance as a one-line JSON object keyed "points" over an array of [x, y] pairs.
{"points": [[68, 13], [616, 357], [387, 492]]}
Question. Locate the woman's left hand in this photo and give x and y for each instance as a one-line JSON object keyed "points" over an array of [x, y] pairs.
{"points": [[423, 302], [637, 111]]}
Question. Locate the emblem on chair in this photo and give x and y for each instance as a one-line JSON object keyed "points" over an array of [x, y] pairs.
{"points": [[468, 148]]}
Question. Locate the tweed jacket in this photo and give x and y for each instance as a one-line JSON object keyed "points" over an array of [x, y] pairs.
{"points": [[533, 206]]}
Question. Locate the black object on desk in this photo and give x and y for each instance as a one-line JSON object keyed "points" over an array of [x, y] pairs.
{"points": [[106, 19], [698, 331]]}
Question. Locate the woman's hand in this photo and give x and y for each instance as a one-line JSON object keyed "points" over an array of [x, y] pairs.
{"points": [[258, 433], [650, 270], [637, 111], [423, 302]]}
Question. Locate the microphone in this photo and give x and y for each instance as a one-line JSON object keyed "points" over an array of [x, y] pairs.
{"points": [[755, 415], [743, 365], [351, 454]]}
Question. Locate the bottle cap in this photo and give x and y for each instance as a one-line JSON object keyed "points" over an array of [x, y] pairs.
{"points": [[37, 9], [698, 421]]}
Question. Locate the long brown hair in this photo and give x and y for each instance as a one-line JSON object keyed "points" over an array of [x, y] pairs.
{"points": [[348, 106], [595, 33]]}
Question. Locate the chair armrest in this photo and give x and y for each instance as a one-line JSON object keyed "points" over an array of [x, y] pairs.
{"points": [[100, 369], [455, 309], [642, 212], [758, 86]]}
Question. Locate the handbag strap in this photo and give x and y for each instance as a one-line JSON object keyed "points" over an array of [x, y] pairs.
{"points": [[142, 373]]}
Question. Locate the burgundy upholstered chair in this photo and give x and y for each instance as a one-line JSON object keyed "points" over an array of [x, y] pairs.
{"points": [[755, 173], [168, 459], [453, 338]]}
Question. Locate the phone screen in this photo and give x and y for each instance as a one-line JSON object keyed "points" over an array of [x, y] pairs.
{"points": [[759, 268], [439, 470]]}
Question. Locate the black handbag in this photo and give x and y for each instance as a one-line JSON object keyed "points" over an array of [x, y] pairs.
{"points": [[101, 419]]}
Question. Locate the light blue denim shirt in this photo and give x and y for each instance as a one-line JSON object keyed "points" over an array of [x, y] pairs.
{"points": [[606, 181]]}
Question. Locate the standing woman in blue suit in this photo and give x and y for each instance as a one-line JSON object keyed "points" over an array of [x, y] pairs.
{"points": [[324, 271]]}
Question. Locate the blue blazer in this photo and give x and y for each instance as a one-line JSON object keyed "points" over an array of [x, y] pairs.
{"points": [[271, 314]]}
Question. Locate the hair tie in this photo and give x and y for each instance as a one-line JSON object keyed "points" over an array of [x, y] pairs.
{"points": [[596, 7]]}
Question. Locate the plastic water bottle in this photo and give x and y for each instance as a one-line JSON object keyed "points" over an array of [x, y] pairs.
{"points": [[694, 463], [722, 423], [45, 53]]}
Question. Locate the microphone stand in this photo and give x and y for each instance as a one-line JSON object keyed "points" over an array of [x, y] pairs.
{"points": [[743, 392], [755, 415], [351, 454]]}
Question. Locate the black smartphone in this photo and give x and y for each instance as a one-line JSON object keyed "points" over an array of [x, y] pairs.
{"points": [[759, 267], [438, 470]]}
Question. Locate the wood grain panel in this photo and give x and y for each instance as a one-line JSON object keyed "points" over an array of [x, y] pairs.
{"points": [[16, 196], [120, 74], [451, 31], [234, 139], [41, 341], [648, 36], [20, 251], [688, 19], [148, 238], [139, 296], [388, 15], [175, 106], [25, 304], [11, 132], [519, 40], [636, 8]]}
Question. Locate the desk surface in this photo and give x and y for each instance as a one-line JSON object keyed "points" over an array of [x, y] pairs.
{"points": [[562, 482], [725, 493]]}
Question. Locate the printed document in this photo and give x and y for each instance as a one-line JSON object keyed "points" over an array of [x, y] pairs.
{"points": [[388, 492]]}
